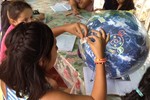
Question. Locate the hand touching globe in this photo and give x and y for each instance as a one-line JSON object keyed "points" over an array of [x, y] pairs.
{"points": [[128, 47]]}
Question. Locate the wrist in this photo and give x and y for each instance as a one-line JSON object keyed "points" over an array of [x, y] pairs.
{"points": [[100, 60], [100, 56], [64, 28]]}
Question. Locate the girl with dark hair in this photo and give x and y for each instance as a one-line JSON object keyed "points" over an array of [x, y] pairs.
{"points": [[32, 51], [5, 23], [17, 12], [118, 5], [143, 90], [20, 11]]}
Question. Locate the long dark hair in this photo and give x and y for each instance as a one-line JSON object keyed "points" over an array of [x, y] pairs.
{"points": [[113, 5], [27, 45], [144, 87], [4, 19], [127, 5], [14, 9]]}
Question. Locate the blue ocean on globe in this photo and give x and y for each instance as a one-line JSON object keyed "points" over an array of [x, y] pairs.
{"points": [[128, 47]]}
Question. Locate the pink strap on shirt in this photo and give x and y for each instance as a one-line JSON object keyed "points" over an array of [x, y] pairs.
{"points": [[3, 46]]}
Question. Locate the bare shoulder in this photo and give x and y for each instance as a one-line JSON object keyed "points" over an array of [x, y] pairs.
{"points": [[60, 95], [54, 95]]}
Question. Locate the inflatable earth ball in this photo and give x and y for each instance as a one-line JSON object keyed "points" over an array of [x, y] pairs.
{"points": [[128, 46]]}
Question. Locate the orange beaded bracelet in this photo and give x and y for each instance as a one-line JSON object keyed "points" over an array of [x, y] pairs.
{"points": [[100, 61]]}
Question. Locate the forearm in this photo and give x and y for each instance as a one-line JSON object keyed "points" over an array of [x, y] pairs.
{"points": [[99, 89], [58, 30]]}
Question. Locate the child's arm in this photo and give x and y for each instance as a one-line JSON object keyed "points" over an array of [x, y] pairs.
{"points": [[78, 29], [74, 7], [98, 47]]}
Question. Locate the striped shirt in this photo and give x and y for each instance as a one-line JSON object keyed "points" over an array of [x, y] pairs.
{"points": [[11, 95]]}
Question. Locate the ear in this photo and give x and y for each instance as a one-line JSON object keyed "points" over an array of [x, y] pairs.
{"points": [[44, 63], [11, 21], [41, 62]]}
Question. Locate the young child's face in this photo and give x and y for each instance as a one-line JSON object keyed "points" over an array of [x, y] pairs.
{"points": [[25, 16], [84, 3]]}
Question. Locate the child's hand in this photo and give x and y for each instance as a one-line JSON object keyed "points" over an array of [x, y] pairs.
{"points": [[78, 29], [75, 11], [98, 46]]}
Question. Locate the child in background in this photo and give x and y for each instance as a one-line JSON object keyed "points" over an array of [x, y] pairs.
{"points": [[17, 12], [81, 4], [32, 50], [4, 19], [119, 5]]}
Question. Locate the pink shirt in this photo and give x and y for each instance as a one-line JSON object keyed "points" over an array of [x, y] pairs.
{"points": [[3, 46]]}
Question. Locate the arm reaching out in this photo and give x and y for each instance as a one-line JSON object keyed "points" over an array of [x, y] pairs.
{"points": [[78, 29]]}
